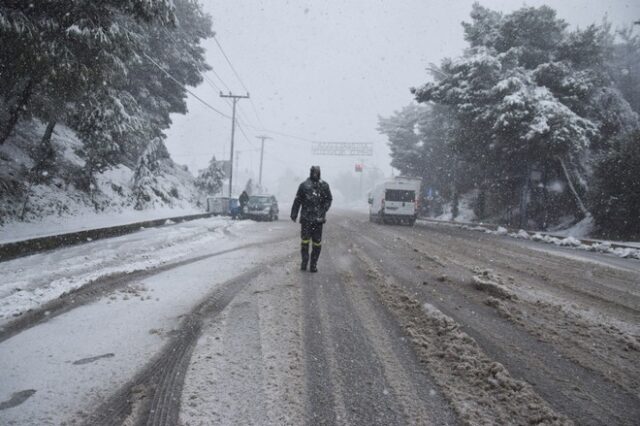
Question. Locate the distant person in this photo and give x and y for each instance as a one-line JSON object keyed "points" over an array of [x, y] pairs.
{"points": [[243, 200], [314, 196]]}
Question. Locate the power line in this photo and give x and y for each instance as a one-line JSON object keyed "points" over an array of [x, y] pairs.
{"points": [[262, 138], [220, 79], [205, 103], [235, 99], [184, 87], [244, 86], [242, 116], [230, 64], [214, 86], [245, 135]]}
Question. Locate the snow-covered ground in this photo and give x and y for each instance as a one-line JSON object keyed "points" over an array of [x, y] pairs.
{"points": [[568, 241], [581, 229], [30, 281], [54, 225], [98, 347], [465, 210]]}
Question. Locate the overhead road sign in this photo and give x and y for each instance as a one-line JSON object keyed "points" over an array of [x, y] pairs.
{"points": [[358, 149]]}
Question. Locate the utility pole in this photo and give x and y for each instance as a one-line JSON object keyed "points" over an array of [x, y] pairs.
{"points": [[233, 131], [361, 173], [262, 138], [237, 166]]}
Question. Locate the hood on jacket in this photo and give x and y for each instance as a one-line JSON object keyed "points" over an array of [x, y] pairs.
{"points": [[314, 173]]}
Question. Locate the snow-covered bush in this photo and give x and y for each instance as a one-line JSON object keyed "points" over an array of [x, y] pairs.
{"points": [[209, 180]]}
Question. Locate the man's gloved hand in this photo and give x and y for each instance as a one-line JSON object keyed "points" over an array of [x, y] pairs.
{"points": [[293, 218]]}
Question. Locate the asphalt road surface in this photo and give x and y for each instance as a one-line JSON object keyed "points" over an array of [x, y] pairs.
{"points": [[426, 325]]}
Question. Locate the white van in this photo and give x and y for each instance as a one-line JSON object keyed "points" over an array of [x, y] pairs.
{"points": [[395, 201]]}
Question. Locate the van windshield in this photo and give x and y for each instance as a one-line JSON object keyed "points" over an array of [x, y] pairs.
{"points": [[400, 195]]}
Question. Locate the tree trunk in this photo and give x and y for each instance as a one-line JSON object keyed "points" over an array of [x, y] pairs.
{"points": [[545, 200], [524, 200], [579, 202], [7, 129], [46, 138], [455, 210], [25, 202], [45, 153]]}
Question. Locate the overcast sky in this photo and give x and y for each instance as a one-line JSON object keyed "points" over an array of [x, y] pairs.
{"points": [[325, 70]]}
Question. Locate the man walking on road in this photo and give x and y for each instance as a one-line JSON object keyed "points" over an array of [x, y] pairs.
{"points": [[314, 196]]}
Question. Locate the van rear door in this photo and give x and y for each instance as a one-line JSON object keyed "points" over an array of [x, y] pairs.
{"points": [[400, 202]]}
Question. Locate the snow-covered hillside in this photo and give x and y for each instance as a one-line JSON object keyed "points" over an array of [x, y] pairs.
{"points": [[58, 196]]}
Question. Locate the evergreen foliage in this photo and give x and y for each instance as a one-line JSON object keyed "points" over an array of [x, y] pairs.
{"points": [[90, 66], [209, 180], [615, 198], [145, 180], [529, 107]]}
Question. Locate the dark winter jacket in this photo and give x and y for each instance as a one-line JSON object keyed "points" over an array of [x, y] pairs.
{"points": [[315, 199], [244, 199]]}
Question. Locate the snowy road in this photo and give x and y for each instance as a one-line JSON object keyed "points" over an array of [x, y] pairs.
{"points": [[212, 323]]}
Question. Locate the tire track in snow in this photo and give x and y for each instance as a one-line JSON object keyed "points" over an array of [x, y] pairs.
{"points": [[324, 401], [247, 367], [101, 287], [580, 393], [153, 396], [353, 374], [417, 393]]}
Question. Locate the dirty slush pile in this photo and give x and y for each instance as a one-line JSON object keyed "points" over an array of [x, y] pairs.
{"points": [[480, 390], [595, 343]]}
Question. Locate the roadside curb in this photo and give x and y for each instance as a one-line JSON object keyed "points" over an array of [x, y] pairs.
{"points": [[22, 248], [547, 237]]}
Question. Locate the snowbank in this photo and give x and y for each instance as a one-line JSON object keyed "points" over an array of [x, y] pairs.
{"points": [[465, 210], [615, 248], [54, 225]]}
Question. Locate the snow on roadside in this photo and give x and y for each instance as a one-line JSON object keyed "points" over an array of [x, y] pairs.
{"points": [[569, 241], [31, 281], [54, 225], [581, 229], [78, 359], [465, 210]]}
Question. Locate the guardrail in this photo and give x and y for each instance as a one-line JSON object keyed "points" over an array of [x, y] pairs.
{"points": [[22, 248], [494, 227]]}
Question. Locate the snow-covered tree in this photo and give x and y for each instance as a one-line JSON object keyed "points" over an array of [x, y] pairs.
{"points": [[175, 49], [145, 180], [250, 187], [210, 179], [625, 66], [530, 96], [64, 49]]}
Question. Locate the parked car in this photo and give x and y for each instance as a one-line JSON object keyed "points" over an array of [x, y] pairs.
{"points": [[262, 207]]}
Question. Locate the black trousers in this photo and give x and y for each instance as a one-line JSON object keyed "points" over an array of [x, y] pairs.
{"points": [[310, 234]]}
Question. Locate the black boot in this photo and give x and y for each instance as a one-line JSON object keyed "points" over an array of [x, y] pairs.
{"points": [[304, 251], [315, 254]]}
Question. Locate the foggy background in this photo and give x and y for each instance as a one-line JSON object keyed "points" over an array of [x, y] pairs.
{"points": [[324, 71]]}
